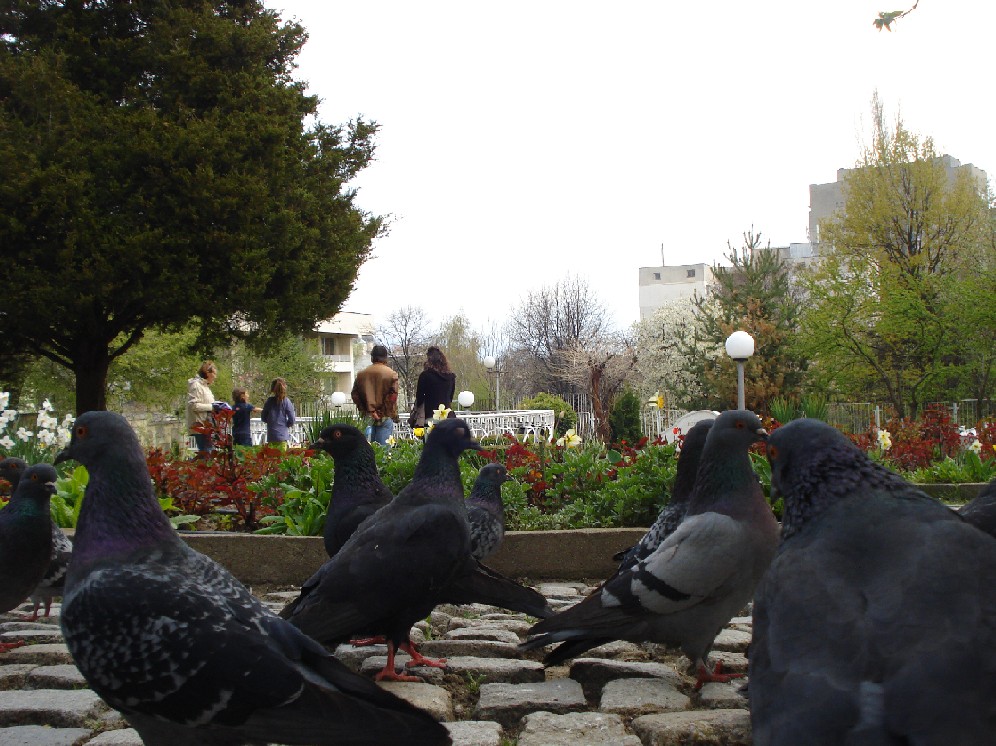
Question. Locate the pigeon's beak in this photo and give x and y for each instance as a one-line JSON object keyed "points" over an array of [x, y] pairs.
{"points": [[762, 433], [317, 445]]}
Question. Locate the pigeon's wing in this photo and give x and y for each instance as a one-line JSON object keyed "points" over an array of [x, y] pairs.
{"points": [[479, 584], [197, 649], [878, 621], [981, 512], [400, 561]]}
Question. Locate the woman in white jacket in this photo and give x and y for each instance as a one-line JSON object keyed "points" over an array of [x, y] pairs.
{"points": [[199, 403]]}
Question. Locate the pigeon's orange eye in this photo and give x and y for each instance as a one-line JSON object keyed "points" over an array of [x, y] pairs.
{"points": [[34, 477], [81, 431], [740, 425], [337, 434], [772, 451]]}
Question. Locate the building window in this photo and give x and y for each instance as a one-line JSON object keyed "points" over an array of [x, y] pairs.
{"points": [[657, 275], [328, 345], [690, 273]]}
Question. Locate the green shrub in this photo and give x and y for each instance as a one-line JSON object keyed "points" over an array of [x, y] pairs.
{"points": [[624, 420], [566, 417]]}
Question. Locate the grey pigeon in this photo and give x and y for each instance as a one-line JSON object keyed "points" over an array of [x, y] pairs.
{"points": [[486, 511], [357, 490], [414, 554], [876, 623], [981, 512], [674, 512], [25, 537], [705, 572], [50, 586], [169, 638]]}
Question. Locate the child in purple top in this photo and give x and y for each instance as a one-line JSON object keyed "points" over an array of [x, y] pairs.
{"points": [[241, 434], [278, 414]]}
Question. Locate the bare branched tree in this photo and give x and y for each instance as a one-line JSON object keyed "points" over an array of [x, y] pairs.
{"points": [[600, 370], [406, 335]]}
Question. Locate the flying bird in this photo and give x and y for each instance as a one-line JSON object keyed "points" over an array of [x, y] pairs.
{"points": [[169, 638], [25, 537], [674, 512], [876, 623], [486, 511], [414, 554], [51, 584], [981, 512], [687, 589], [357, 490]]}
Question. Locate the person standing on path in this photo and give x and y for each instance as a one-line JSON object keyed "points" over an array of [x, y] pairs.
{"points": [[241, 427], [436, 383], [200, 404], [278, 414], [375, 394]]}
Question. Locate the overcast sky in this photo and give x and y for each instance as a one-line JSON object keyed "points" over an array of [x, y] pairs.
{"points": [[521, 141]]}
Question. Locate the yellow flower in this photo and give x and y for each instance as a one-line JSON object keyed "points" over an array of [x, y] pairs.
{"points": [[390, 441], [884, 440], [571, 439], [418, 432], [441, 413], [660, 400]]}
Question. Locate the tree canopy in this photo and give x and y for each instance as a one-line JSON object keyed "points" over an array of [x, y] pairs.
{"points": [[158, 171]]}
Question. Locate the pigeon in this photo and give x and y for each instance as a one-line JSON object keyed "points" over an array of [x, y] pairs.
{"points": [[357, 492], [876, 622], [981, 512], [705, 572], [674, 512], [25, 538], [486, 511], [181, 648], [413, 554], [51, 584]]}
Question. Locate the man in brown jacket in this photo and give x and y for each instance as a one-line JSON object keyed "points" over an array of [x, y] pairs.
{"points": [[375, 393]]}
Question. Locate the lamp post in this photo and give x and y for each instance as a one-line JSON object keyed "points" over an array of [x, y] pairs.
{"points": [[493, 365], [466, 399], [740, 346], [338, 399]]}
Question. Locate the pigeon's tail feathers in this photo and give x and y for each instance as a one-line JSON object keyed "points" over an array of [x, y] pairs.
{"points": [[483, 585], [622, 553], [575, 642]]}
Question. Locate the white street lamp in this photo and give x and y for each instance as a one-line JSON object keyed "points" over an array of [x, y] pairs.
{"points": [[493, 364], [338, 398], [740, 346], [466, 399]]}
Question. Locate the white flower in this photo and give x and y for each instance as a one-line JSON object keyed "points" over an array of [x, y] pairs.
{"points": [[441, 413], [6, 442], [884, 440], [24, 435], [8, 415], [571, 439], [47, 421], [975, 447], [68, 420], [46, 437], [47, 406], [4, 399], [62, 438]]}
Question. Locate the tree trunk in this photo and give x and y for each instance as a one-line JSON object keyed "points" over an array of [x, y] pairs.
{"points": [[90, 365]]}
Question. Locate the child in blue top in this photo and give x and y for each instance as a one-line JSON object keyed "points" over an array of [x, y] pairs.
{"points": [[278, 414], [241, 435]]}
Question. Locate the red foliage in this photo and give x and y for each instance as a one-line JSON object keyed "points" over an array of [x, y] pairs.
{"points": [[917, 443], [986, 433]]}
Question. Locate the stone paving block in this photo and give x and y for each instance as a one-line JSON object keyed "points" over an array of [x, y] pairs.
{"points": [[32, 636], [732, 662], [494, 634], [716, 696], [474, 733], [40, 735], [119, 737], [509, 703], [352, 656], [559, 590], [433, 699], [619, 650], [375, 663], [14, 676], [633, 697], [496, 670], [594, 673], [16, 626], [520, 626], [62, 708], [732, 640], [476, 648], [696, 728], [46, 654], [63, 676], [574, 729]]}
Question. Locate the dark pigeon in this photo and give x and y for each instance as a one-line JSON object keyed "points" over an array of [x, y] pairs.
{"points": [[674, 512], [357, 492], [52, 583], [170, 639], [981, 512], [876, 623], [25, 538], [704, 573], [398, 566], [486, 511]]}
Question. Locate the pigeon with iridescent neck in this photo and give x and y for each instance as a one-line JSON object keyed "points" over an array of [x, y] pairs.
{"points": [[486, 511], [181, 648]]}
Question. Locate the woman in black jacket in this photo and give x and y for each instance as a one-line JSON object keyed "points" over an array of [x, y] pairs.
{"points": [[436, 383]]}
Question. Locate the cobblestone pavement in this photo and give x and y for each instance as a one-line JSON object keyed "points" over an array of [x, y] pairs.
{"points": [[490, 693]]}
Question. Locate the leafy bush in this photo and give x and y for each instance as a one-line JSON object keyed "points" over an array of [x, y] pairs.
{"points": [[624, 420], [566, 417]]}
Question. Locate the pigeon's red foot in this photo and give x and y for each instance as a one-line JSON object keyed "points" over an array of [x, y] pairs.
{"points": [[705, 676], [417, 659], [5, 646], [388, 673], [33, 616], [362, 642]]}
